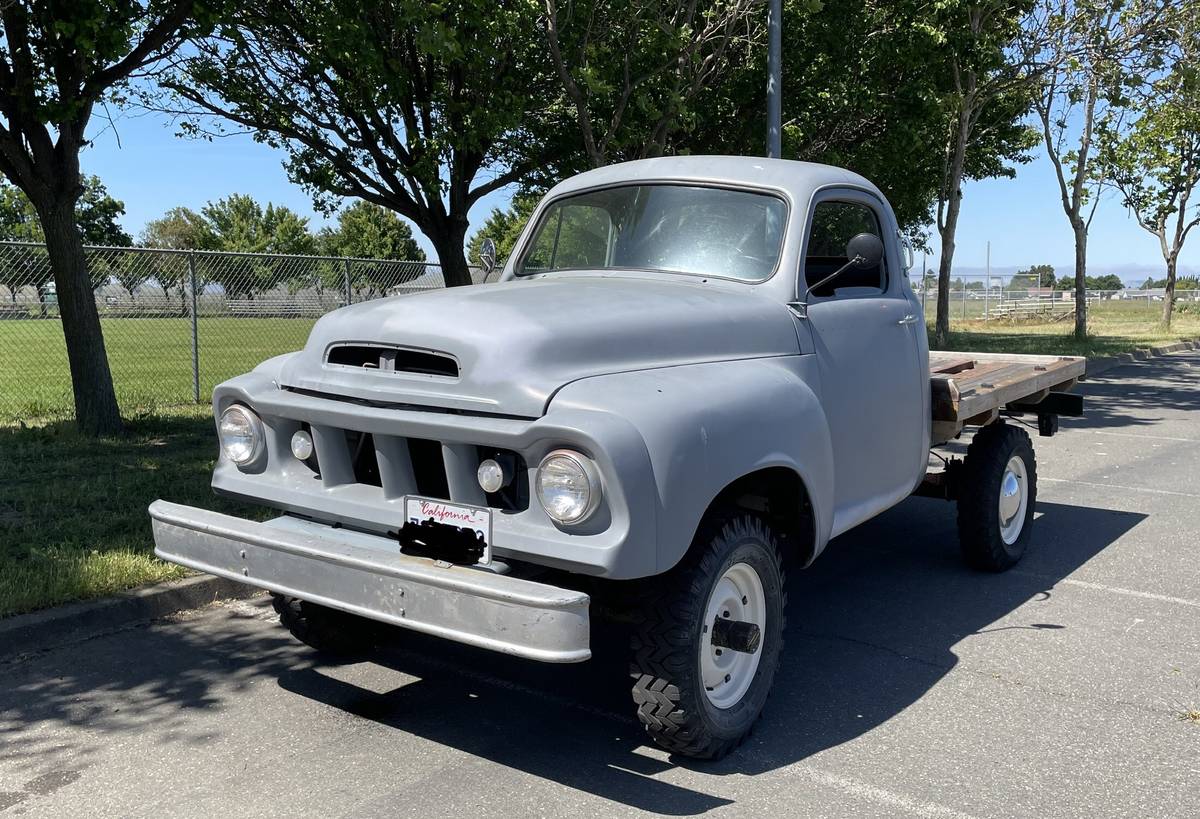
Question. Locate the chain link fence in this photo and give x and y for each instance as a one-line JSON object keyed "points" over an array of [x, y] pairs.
{"points": [[176, 323], [996, 299]]}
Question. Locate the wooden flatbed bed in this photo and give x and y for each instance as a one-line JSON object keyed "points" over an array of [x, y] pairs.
{"points": [[972, 389]]}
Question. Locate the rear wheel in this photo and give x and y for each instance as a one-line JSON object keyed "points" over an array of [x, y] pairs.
{"points": [[329, 631], [706, 648], [996, 497]]}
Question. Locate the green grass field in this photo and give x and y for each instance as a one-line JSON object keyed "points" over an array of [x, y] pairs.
{"points": [[151, 360], [73, 521]]}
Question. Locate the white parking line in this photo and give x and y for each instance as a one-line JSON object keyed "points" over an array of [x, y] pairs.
{"points": [[1042, 479], [1084, 584], [1136, 435], [880, 796]]}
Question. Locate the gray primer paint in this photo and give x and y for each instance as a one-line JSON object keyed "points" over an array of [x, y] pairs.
{"points": [[675, 385]]}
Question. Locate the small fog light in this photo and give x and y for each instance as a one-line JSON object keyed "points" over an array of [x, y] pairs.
{"points": [[302, 445], [492, 475]]}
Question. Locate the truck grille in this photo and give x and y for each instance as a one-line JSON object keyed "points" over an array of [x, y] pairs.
{"points": [[413, 466]]}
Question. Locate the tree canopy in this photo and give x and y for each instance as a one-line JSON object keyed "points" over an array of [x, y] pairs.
{"points": [[416, 107], [367, 231], [96, 214]]}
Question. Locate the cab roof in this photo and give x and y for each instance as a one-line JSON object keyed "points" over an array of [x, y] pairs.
{"points": [[798, 179]]}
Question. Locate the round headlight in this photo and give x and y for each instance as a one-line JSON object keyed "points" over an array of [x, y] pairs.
{"points": [[302, 445], [568, 486], [491, 475], [241, 434]]}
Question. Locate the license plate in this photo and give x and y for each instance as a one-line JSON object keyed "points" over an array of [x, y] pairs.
{"points": [[472, 518]]}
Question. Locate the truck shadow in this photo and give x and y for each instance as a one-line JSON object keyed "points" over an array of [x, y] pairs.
{"points": [[872, 628]]}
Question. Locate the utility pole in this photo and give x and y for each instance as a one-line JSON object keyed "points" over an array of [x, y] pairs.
{"points": [[987, 288], [774, 76]]}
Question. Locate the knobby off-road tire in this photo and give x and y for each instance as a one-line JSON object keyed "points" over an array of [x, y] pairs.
{"points": [[329, 631], [994, 525], [671, 634]]}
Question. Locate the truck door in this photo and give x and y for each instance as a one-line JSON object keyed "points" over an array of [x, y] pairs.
{"points": [[873, 386]]}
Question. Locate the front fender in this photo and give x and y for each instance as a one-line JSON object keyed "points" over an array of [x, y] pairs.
{"points": [[706, 425]]}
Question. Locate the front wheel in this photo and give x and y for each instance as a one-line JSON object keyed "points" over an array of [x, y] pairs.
{"points": [[996, 497], [707, 646]]}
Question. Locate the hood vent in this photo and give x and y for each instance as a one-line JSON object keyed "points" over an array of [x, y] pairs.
{"points": [[392, 359]]}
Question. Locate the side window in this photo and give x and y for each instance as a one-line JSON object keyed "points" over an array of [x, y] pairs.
{"points": [[833, 225], [572, 236]]}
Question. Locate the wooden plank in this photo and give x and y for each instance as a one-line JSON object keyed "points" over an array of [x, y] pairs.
{"points": [[949, 364]]}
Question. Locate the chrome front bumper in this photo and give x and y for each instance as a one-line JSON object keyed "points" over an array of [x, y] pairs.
{"points": [[367, 575]]}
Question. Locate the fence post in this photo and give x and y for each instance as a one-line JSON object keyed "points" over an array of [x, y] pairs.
{"points": [[964, 288], [195, 330], [346, 273]]}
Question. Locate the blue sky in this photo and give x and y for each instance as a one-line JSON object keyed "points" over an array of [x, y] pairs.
{"points": [[151, 170]]}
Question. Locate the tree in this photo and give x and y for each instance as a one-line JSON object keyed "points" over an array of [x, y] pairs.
{"points": [[367, 231], [59, 60], [1154, 162], [1038, 275], [503, 227], [96, 214], [239, 224], [1094, 50], [986, 97], [416, 107], [632, 70], [179, 229]]}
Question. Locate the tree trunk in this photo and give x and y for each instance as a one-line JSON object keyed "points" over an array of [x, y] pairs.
{"points": [[449, 244], [96, 411], [947, 230], [1169, 295], [1080, 280]]}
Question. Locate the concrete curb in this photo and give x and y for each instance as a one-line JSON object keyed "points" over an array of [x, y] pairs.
{"points": [[26, 633], [1098, 366]]}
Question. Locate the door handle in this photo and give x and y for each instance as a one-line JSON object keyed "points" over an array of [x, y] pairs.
{"points": [[909, 319]]}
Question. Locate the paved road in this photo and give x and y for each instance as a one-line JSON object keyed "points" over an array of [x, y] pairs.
{"points": [[911, 686]]}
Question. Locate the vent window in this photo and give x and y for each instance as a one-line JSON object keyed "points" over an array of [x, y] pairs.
{"points": [[392, 359]]}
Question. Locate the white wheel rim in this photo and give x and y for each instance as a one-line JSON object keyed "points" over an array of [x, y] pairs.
{"points": [[727, 674], [1014, 499]]}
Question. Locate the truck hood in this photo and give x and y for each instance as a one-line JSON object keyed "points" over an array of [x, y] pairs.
{"points": [[516, 343]]}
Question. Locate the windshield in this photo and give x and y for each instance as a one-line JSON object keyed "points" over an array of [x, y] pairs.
{"points": [[675, 228]]}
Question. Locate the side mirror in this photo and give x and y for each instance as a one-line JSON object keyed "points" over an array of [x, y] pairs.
{"points": [[865, 250], [487, 258]]}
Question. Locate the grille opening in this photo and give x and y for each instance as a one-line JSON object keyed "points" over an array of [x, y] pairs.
{"points": [[415, 361], [429, 468], [355, 355], [362, 457], [390, 359]]}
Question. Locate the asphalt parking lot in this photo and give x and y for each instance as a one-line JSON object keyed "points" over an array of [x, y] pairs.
{"points": [[911, 686]]}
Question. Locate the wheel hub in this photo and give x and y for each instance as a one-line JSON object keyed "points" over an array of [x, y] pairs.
{"points": [[1014, 499], [728, 672]]}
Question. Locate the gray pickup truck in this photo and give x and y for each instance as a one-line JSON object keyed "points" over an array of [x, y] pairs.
{"points": [[692, 373]]}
